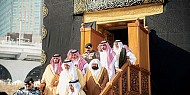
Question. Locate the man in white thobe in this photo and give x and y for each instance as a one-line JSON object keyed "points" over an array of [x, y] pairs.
{"points": [[108, 58], [71, 81], [123, 52], [130, 55], [78, 60]]}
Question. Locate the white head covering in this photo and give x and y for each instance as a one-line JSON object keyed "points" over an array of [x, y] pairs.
{"points": [[95, 72], [72, 70], [73, 74], [120, 45]]}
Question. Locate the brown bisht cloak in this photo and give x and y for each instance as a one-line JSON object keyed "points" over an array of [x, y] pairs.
{"points": [[94, 86]]}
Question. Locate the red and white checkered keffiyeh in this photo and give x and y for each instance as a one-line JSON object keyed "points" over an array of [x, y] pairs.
{"points": [[59, 68], [81, 60], [110, 53]]}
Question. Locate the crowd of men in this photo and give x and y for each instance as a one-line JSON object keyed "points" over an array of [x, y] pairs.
{"points": [[85, 74]]}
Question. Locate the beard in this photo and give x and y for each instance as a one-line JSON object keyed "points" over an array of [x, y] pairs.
{"points": [[94, 67]]}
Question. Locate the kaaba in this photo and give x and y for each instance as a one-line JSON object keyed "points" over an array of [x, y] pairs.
{"points": [[169, 41]]}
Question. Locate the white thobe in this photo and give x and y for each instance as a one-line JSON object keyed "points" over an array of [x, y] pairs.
{"points": [[132, 57], [111, 68], [63, 86], [55, 67], [118, 55]]}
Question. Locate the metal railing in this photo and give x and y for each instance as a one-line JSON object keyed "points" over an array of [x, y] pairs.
{"points": [[23, 42]]}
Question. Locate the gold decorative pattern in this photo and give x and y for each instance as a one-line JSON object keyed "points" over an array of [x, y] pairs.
{"points": [[43, 57], [134, 80], [45, 10], [144, 79], [123, 14], [79, 6], [44, 32]]}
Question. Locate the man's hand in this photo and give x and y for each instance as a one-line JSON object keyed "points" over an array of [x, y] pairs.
{"points": [[71, 88], [55, 83], [42, 85], [85, 89], [118, 70]]}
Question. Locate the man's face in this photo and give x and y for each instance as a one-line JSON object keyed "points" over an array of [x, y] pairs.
{"points": [[56, 60], [88, 49], [94, 66], [116, 44], [103, 46], [74, 56], [66, 67], [28, 85]]}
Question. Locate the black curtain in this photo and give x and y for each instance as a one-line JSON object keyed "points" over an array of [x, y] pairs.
{"points": [[170, 49], [63, 29]]}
